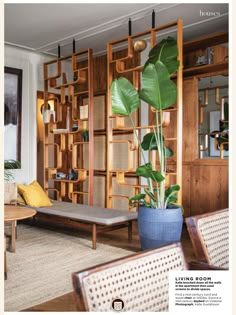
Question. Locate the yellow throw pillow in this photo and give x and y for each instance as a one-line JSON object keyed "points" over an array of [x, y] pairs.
{"points": [[34, 195]]}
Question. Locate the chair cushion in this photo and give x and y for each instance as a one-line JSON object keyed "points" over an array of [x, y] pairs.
{"points": [[34, 195], [88, 213]]}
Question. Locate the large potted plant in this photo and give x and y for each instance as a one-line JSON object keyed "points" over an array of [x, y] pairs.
{"points": [[159, 219]]}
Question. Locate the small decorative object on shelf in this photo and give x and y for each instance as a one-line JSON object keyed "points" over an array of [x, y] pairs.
{"points": [[206, 60], [48, 114], [72, 175], [74, 127], [201, 60], [85, 134], [59, 175], [210, 55]]}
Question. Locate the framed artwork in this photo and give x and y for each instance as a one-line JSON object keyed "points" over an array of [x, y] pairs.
{"points": [[12, 113]]}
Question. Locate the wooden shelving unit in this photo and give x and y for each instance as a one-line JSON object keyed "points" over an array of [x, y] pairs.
{"points": [[105, 137], [120, 133], [198, 47], [68, 153], [204, 42], [202, 172]]}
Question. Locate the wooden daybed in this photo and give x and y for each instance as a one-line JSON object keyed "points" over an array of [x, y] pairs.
{"points": [[92, 218]]}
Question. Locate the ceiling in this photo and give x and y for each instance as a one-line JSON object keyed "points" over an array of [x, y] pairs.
{"points": [[41, 27]]}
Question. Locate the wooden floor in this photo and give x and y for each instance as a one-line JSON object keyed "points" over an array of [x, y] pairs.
{"points": [[116, 238]]}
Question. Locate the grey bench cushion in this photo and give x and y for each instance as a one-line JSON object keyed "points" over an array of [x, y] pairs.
{"points": [[91, 214]]}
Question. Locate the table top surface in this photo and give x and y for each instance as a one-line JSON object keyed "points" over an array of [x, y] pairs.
{"points": [[12, 213]]}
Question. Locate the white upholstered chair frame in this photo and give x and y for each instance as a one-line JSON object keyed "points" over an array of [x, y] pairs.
{"points": [[140, 280]]}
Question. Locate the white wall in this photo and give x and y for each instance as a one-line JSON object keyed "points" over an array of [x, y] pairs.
{"points": [[32, 65]]}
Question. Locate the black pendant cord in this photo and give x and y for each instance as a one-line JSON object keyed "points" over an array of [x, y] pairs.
{"points": [[130, 27], [75, 77], [59, 51], [153, 19]]}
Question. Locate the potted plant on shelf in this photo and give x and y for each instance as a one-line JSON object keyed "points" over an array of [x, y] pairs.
{"points": [[9, 165], [160, 220], [10, 187], [222, 136], [85, 134]]}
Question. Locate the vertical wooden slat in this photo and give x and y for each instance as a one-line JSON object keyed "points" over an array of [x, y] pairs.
{"points": [[179, 109], [91, 135], [109, 129], [45, 140]]}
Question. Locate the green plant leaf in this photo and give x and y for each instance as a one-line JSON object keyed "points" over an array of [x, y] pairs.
{"points": [[147, 172], [158, 89], [124, 97], [133, 204], [166, 51], [138, 197], [149, 143], [172, 189], [223, 138], [172, 199], [135, 200], [170, 194], [147, 204], [150, 194], [11, 164], [168, 152]]}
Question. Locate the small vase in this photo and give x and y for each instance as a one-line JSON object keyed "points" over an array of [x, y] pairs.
{"points": [[86, 136], [74, 127]]}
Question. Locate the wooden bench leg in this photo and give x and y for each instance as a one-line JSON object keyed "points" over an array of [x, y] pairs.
{"points": [[5, 261], [94, 236], [13, 236], [130, 230]]}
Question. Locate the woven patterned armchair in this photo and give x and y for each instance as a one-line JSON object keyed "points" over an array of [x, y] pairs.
{"points": [[209, 234], [140, 281]]}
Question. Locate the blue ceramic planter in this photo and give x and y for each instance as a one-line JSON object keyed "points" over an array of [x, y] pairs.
{"points": [[159, 227]]}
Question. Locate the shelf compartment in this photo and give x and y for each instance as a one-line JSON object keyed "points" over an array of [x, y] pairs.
{"points": [[206, 41], [206, 69]]}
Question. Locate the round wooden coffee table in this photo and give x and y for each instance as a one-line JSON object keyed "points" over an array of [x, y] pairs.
{"points": [[14, 213]]}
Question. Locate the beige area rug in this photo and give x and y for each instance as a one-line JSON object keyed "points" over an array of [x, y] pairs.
{"points": [[41, 267]]}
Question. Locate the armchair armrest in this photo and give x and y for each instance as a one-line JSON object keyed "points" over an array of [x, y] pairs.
{"points": [[200, 265]]}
